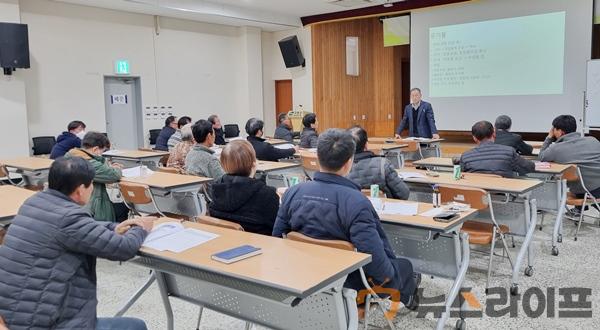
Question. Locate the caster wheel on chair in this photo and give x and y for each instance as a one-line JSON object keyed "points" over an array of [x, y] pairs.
{"points": [[514, 290], [529, 271], [554, 251], [559, 239], [460, 324]]}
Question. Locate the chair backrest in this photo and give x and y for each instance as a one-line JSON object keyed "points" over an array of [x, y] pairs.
{"points": [[135, 193], [154, 135], [3, 171], [336, 244], [204, 219], [571, 174], [477, 198], [42, 145], [231, 130], [310, 163], [168, 170]]}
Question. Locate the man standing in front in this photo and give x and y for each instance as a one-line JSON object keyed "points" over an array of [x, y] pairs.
{"points": [[418, 115]]}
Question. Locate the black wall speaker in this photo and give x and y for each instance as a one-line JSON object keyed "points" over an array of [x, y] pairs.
{"points": [[14, 46], [290, 50]]}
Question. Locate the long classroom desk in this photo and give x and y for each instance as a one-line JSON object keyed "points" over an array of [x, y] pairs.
{"points": [[392, 151], [291, 285], [551, 197], [132, 158], [34, 170], [434, 248], [431, 146], [506, 212], [11, 199], [175, 193]]}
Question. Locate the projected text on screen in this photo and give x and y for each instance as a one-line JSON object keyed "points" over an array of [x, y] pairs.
{"points": [[513, 56]]}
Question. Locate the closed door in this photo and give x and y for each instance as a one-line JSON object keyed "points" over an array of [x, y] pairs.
{"points": [[283, 97], [123, 112]]}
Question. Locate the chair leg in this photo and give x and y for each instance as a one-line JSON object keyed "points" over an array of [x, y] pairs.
{"points": [[383, 311], [505, 247], [367, 309], [581, 216], [248, 326], [489, 273], [541, 223], [199, 318]]}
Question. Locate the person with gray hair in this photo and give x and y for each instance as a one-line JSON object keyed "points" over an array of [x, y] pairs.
{"points": [[505, 137], [181, 149]]}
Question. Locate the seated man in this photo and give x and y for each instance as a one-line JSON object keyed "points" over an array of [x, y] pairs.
{"points": [[69, 139], [94, 144], [176, 137], [264, 150], [201, 160], [371, 169], [309, 136], [492, 158], [284, 130], [332, 207], [219, 134], [165, 134], [505, 137], [48, 260], [564, 145]]}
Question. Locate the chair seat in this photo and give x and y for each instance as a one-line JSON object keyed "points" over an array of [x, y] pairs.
{"points": [[575, 201], [480, 233]]}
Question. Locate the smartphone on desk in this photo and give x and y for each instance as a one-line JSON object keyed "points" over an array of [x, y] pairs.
{"points": [[446, 216]]}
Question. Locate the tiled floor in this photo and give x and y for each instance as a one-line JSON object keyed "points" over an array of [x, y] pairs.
{"points": [[576, 266]]}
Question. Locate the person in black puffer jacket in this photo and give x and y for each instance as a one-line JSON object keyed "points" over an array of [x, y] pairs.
{"points": [[237, 196], [48, 260], [371, 169]]}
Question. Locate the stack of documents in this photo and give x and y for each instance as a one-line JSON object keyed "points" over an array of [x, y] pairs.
{"points": [[408, 175], [394, 208], [284, 146], [172, 236]]}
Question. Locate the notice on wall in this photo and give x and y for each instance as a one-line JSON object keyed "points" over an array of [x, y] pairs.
{"points": [[118, 99]]}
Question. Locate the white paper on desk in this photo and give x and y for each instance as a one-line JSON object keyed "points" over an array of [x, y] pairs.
{"points": [[400, 208], [172, 236], [138, 171], [113, 152], [235, 138], [284, 146], [433, 212], [408, 175]]}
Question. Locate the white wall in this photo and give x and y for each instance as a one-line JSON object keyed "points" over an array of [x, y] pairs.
{"points": [[12, 98], [274, 69], [197, 68]]}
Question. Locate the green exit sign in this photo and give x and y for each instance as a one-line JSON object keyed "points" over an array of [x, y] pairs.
{"points": [[122, 67]]}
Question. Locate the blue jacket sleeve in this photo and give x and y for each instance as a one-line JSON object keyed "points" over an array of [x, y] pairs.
{"points": [[431, 119], [282, 222], [366, 239]]}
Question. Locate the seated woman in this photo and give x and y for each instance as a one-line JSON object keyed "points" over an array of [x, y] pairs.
{"points": [[239, 197], [178, 154]]}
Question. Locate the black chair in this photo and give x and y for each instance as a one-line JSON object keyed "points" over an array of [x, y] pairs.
{"points": [[231, 130], [154, 135], [42, 145]]}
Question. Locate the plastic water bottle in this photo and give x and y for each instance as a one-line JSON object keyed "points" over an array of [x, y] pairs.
{"points": [[436, 196]]}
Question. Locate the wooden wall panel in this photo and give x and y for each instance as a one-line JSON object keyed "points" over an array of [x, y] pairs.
{"points": [[369, 100]]}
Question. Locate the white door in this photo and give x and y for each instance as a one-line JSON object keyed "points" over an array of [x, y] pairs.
{"points": [[123, 112]]}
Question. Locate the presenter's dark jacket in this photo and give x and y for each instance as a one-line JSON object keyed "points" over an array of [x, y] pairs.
{"points": [[265, 151], [492, 158], [425, 121], [514, 140]]}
